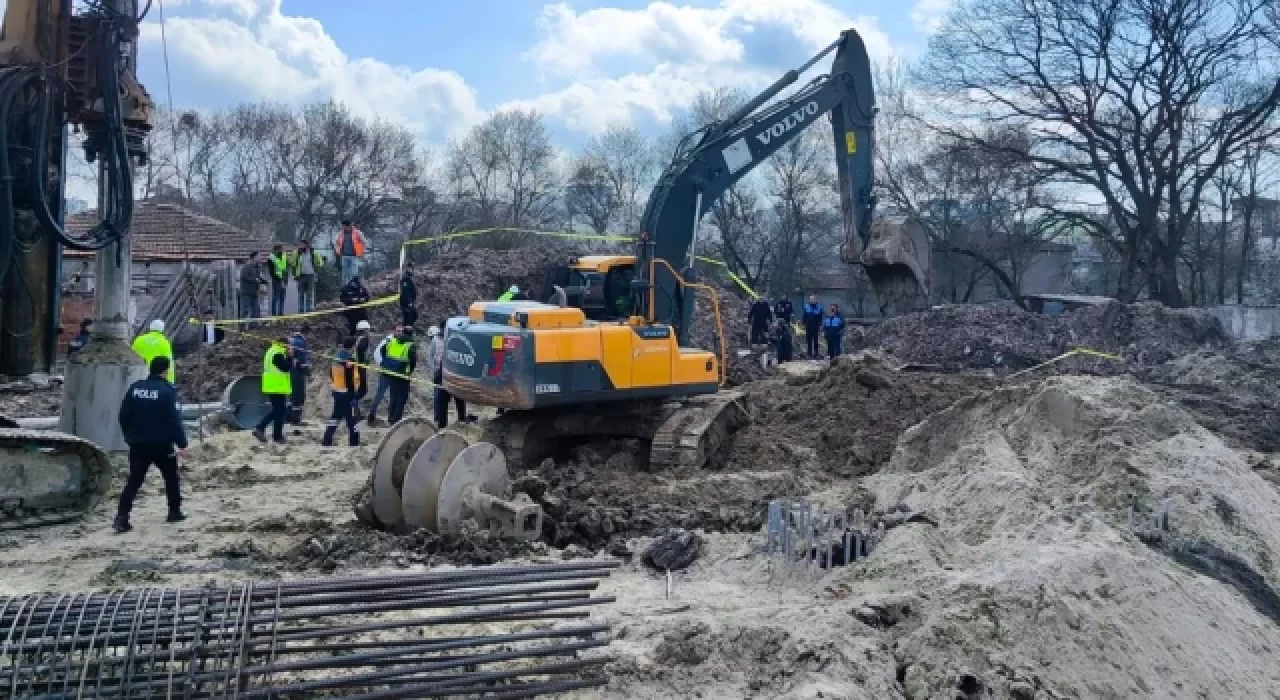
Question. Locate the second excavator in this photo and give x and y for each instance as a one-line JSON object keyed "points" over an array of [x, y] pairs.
{"points": [[616, 361]]}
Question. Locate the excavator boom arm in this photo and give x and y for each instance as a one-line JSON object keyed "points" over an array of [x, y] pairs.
{"points": [[727, 151]]}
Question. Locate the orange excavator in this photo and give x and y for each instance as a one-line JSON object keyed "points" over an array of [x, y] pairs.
{"points": [[616, 361]]}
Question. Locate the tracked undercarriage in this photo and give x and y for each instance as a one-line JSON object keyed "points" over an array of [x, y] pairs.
{"points": [[683, 433], [48, 477]]}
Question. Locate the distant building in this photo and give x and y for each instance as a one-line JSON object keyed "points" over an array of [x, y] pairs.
{"points": [[164, 237]]}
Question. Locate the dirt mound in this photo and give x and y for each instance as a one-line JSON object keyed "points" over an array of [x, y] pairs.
{"points": [[1036, 582], [844, 418], [1003, 337], [1234, 395], [600, 494]]}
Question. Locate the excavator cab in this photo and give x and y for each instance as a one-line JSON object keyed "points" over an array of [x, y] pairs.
{"points": [[599, 285]]}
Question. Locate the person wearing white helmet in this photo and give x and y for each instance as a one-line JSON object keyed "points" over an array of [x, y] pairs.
{"points": [[361, 353], [511, 293], [153, 344], [384, 383]]}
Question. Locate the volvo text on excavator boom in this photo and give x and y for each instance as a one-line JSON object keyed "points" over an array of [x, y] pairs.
{"points": [[616, 361]]}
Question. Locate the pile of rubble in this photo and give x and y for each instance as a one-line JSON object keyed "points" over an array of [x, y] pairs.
{"points": [[846, 418], [1005, 338]]}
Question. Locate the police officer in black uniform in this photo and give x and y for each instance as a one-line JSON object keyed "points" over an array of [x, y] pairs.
{"points": [[152, 424]]}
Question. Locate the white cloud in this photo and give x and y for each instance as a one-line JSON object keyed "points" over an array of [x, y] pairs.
{"points": [[252, 48], [927, 15], [594, 67], [680, 51]]}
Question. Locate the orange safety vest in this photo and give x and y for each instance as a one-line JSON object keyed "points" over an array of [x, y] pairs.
{"points": [[338, 377], [358, 243]]}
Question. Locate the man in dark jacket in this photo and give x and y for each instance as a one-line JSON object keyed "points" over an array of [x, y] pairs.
{"points": [[299, 374], [833, 328], [250, 285], [354, 293], [811, 314], [782, 310], [783, 342], [151, 421], [82, 338], [401, 357], [408, 296], [759, 317], [360, 352]]}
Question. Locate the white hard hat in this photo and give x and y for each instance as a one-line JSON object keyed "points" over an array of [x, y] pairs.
{"points": [[362, 326], [514, 288], [433, 331], [157, 325]]}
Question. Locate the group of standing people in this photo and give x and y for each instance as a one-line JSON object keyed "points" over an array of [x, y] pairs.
{"points": [[771, 325], [302, 263]]}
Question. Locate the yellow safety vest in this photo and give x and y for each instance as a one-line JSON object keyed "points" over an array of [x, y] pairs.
{"points": [[151, 345], [507, 296], [398, 349], [279, 264], [338, 377], [273, 380], [295, 261]]}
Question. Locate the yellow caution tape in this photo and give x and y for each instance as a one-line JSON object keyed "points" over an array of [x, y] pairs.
{"points": [[1072, 353], [309, 314], [508, 229], [334, 358], [736, 280]]}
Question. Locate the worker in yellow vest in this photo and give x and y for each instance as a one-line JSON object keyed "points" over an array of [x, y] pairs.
{"points": [[344, 382], [153, 344], [399, 357], [278, 266], [277, 387]]}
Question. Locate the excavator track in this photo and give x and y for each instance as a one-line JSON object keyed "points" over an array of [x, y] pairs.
{"points": [[698, 433], [48, 477], [683, 433]]}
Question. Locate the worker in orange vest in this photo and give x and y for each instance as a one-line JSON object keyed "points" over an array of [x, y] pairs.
{"points": [[349, 248]]}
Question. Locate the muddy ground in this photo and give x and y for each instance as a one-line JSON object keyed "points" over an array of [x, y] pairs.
{"points": [[1030, 584]]}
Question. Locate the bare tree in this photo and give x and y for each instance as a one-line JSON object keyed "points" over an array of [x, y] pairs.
{"points": [[622, 159], [504, 169], [800, 179], [589, 192], [1143, 101]]}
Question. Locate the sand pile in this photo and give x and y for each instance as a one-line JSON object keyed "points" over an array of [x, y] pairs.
{"points": [[1033, 584], [843, 419], [1004, 337]]}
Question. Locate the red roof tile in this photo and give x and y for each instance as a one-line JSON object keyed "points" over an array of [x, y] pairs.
{"points": [[171, 232]]}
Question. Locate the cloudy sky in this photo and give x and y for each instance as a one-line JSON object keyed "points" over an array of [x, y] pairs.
{"points": [[438, 66]]}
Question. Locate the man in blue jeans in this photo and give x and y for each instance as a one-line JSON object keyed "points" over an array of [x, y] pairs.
{"points": [[384, 382]]}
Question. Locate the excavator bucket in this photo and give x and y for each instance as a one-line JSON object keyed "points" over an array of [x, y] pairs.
{"points": [[898, 263], [48, 477]]}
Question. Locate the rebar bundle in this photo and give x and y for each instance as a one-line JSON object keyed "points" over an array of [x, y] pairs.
{"points": [[804, 536], [365, 637]]}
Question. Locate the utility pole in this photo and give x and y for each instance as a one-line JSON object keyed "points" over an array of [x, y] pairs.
{"points": [[97, 376]]}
